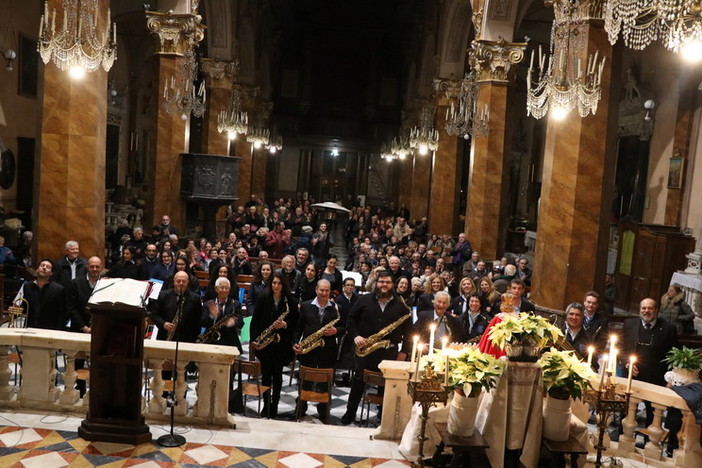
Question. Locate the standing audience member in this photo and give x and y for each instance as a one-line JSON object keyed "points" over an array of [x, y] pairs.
{"points": [[71, 266], [46, 299]]}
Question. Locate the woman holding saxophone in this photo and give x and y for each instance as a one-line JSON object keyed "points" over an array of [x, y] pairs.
{"points": [[273, 323]]}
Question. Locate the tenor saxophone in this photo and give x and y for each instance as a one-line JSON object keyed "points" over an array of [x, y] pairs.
{"points": [[376, 341], [316, 339], [178, 316], [269, 335]]}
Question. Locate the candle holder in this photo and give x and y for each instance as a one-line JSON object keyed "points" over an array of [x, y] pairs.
{"points": [[427, 391], [606, 402]]}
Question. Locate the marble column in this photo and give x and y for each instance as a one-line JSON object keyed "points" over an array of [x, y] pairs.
{"points": [[243, 149], [178, 34], [219, 77], [405, 190], [421, 184], [444, 172], [486, 216], [70, 185], [578, 178], [259, 152]]}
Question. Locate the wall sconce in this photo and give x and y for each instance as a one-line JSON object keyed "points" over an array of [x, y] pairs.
{"points": [[649, 105], [10, 56]]}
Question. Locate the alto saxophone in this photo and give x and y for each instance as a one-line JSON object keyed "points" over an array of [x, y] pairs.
{"points": [[375, 341], [269, 335], [213, 334], [316, 339], [178, 316]]}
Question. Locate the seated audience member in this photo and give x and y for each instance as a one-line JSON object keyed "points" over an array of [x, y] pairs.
{"points": [[446, 324], [573, 330], [433, 284], [474, 319], [460, 303]]}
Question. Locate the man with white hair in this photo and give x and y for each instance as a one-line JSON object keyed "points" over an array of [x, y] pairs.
{"points": [[446, 325], [71, 266]]}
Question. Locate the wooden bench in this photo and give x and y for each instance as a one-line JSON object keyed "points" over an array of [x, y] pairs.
{"points": [[467, 451]]}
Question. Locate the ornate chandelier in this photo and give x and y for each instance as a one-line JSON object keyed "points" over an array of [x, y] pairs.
{"points": [[564, 84], [400, 146], [179, 95], [234, 120], [678, 23], [80, 43], [465, 120], [275, 142], [425, 137]]}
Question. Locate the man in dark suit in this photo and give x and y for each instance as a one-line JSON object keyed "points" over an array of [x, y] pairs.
{"points": [[165, 312], [369, 315], [573, 330], [71, 266], [314, 315], [149, 262], [649, 338], [518, 290], [596, 325], [345, 301], [447, 325], [46, 299], [77, 296]]}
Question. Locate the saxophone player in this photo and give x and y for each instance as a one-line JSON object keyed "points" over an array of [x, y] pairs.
{"points": [[314, 316], [371, 313], [218, 309]]}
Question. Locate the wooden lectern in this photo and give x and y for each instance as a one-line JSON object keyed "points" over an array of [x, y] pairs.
{"points": [[116, 358]]}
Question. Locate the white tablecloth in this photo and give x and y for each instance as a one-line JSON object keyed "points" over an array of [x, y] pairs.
{"points": [[689, 281]]}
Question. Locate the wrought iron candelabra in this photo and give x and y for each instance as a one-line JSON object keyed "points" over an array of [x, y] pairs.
{"points": [[427, 391], [606, 402]]}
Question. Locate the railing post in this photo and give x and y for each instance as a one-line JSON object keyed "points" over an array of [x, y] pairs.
{"points": [[626, 440], [157, 405], [691, 450], [6, 390], [213, 393], [69, 395]]}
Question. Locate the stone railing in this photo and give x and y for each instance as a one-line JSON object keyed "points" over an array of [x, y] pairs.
{"points": [[39, 391], [397, 404]]}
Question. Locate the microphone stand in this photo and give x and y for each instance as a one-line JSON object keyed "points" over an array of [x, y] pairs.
{"points": [[171, 439]]}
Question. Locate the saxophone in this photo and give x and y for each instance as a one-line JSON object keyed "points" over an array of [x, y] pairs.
{"points": [[178, 316], [375, 341], [316, 339], [213, 334], [269, 335]]}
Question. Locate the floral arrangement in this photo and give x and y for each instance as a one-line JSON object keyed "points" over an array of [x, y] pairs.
{"points": [[469, 369], [564, 374], [524, 329], [684, 358]]}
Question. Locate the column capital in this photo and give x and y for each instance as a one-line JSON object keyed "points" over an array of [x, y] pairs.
{"points": [[446, 90], [220, 73], [494, 60], [177, 33]]}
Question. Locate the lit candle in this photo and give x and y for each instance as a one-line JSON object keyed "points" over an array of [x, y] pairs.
{"points": [[603, 368], [590, 351], [632, 360], [432, 329], [446, 371], [414, 348], [416, 367], [444, 342], [613, 361]]}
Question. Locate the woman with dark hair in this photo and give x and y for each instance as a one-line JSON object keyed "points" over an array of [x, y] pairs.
{"points": [[261, 280], [181, 264], [125, 268], [306, 283], [164, 269], [333, 275], [402, 288], [223, 271], [474, 319], [271, 305]]}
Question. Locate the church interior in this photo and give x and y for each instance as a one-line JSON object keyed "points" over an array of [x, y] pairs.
{"points": [[567, 132]]}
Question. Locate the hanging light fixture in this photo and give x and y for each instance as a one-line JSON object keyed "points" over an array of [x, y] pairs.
{"points": [[234, 120], [464, 119], [677, 23], [275, 142], [9, 49], [83, 39], [179, 94], [565, 83], [425, 138]]}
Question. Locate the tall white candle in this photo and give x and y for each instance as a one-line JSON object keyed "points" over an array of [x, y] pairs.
{"points": [[446, 371], [590, 352], [632, 361], [419, 358], [603, 369], [613, 361], [432, 329], [414, 348], [444, 342]]}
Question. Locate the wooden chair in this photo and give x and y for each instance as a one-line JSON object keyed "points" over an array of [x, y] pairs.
{"points": [[248, 388], [371, 381], [315, 377]]}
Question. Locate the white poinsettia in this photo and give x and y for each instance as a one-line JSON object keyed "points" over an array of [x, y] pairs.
{"points": [[523, 329], [469, 369], [564, 374]]}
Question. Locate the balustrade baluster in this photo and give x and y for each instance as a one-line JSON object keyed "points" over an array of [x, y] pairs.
{"points": [[6, 390], [69, 395]]}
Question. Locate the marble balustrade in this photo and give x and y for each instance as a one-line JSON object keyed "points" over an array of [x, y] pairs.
{"points": [[38, 389], [397, 404]]}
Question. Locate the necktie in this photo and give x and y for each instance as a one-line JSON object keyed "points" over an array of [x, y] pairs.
{"points": [[648, 326]]}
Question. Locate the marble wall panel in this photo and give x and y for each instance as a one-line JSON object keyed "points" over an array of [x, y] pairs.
{"points": [[405, 191], [258, 179], [421, 178], [214, 142], [243, 150]]}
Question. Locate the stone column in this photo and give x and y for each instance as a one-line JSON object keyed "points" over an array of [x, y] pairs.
{"points": [[70, 185], [242, 148], [444, 172], [177, 34], [259, 153], [219, 77], [405, 190], [573, 230], [486, 216]]}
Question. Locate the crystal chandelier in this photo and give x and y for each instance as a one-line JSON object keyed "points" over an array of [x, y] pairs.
{"points": [[275, 142], [400, 146], [465, 120], [563, 84], [80, 43], [234, 120], [387, 154], [425, 137], [179, 94], [678, 23]]}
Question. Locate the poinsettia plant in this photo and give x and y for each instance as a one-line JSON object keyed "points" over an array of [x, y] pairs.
{"points": [[523, 329], [469, 369], [564, 374]]}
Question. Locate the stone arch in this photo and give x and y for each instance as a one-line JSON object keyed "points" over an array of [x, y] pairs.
{"points": [[454, 40], [218, 14], [247, 52]]}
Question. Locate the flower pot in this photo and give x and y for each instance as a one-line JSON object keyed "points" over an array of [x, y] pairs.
{"points": [[557, 419], [684, 376], [522, 353], [461, 415]]}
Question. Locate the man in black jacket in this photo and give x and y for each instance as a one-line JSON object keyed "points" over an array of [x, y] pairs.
{"points": [[446, 325], [573, 330], [46, 299], [345, 301], [149, 262], [372, 313], [71, 266], [185, 326], [596, 324], [314, 315]]}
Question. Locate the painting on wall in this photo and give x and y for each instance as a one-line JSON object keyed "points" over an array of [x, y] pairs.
{"points": [[28, 66], [675, 172]]}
